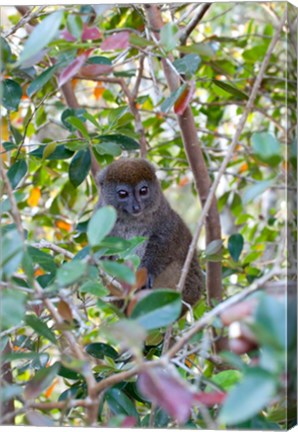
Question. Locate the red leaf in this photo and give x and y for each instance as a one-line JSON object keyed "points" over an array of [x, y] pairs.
{"points": [[129, 422], [182, 102], [116, 41], [90, 33], [67, 36], [168, 392], [73, 68], [238, 311], [209, 399], [93, 70]]}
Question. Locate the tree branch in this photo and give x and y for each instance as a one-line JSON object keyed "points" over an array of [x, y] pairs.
{"points": [[194, 22], [197, 163], [27, 18], [209, 316], [210, 199]]}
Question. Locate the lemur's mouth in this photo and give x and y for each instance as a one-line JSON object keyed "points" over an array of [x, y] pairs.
{"points": [[137, 214]]}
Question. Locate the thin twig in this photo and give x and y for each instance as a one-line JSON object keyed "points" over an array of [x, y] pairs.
{"points": [[44, 244], [194, 22], [27, 18], [135, 91], [209, 316]]}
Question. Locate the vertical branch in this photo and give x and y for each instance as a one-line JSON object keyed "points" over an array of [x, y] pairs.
{"points": [[196, 161]]}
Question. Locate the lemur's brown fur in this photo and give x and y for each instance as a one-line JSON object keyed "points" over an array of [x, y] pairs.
{"points": [[146, 212]]}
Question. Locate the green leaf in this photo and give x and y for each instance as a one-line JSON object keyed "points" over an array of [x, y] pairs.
{"points": [[213, 247], [11, 252], [41, 328], [11, 93], [230, 89], [188, 65], [12, 308], [249, 397], [73, 112], [109, 148], [125, 142], [101, 224], [139, 41], [92, 119], [65, 372], [270, 322], [41, 80], [16, 356], [169, 102], [59, 153], [226, 379], [10, 391], [70, 272], [116, 244], [5, 205], [48, 150], [169, 36], [5, 52], [79, 125], [100, 350], [8, 146], [119, 271], [41, 380], [94, 288], [253, 191], [128, 333], [158, 309], [119, 403], [202, 49], [41, 35], [266, 148], [45, 260], [101, 60], [74, 25], [235, 246], [79, 167]]}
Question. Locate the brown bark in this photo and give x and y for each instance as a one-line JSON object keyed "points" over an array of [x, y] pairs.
{"points": [[197, 163]]}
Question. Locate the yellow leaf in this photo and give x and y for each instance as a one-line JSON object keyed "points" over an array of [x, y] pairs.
{"points": [[49, 149], [189, 360], [63, 225], [243, 168], [50, 389], [98, 91], [39, 272], [4, 130], [34, 197]]}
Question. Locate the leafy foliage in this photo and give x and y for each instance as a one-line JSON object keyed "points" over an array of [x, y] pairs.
{"points": [[75, 320]]}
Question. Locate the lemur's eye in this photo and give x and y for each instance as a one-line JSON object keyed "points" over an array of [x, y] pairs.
{"points": [[143, 191], [122, 194]]}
